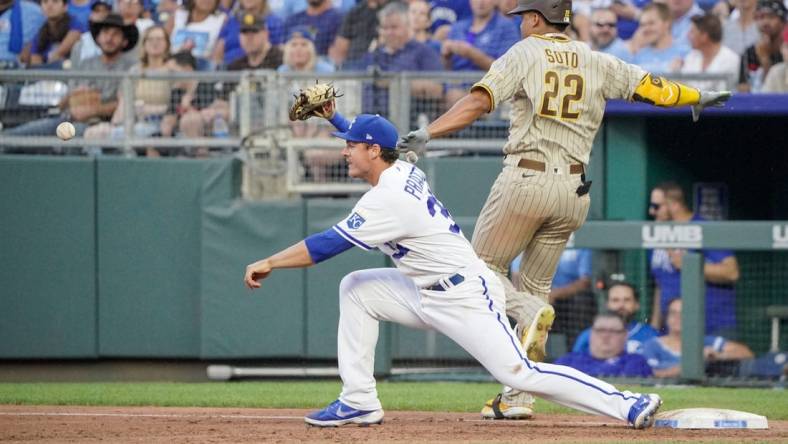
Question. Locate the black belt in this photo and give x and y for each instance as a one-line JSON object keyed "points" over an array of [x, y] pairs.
{"points": [[455, 279]]}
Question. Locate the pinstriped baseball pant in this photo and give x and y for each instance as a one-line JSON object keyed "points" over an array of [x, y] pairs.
{"points": [[534, 212]]}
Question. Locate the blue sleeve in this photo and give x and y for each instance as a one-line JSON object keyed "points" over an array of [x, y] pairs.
{"points": [[584, 263], [339, 121], [715, 342], [650, 352], [33, 19], [716, 256], [581, 343], [325, 245], [76, 25]]}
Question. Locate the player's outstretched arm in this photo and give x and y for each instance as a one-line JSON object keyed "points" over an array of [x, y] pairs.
{"points": [[295, 256], [462, 114], [659, 91]]}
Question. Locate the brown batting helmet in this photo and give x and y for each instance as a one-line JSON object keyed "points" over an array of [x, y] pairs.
{"points": [[554, 11]]}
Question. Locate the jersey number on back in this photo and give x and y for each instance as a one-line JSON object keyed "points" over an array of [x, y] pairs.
{"points": [[560, 94], [432, 204]]}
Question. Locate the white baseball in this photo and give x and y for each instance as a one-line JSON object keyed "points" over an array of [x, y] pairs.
{"points": [[66, 130]]}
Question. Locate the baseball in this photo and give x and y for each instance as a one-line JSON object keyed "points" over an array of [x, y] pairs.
{"points": [[66, 130]]}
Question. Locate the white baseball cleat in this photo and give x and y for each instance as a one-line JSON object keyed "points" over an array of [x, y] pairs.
{"points": [[641, 414]]}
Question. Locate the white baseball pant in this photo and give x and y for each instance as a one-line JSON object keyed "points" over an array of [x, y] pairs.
{"points": [[471, 314]]}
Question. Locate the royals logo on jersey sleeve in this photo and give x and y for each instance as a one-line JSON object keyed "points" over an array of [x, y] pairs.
{"points": [[355, 221]]}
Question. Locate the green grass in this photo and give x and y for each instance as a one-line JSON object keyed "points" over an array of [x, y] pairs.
{"points": [[423, 396]]}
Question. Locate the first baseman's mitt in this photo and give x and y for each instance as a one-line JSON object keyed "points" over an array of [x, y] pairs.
{"points": [[309, 102]]}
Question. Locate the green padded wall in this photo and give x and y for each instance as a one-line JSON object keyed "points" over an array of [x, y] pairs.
{"points": [[149, 214], [237, 322], [47, 258], [462, 184], [625, 168], [322, 280]]}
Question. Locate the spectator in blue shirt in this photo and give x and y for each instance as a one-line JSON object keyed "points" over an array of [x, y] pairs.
{"points": [[606, 355], [322, 20], [604, 35], [398, 51], [660, 53], [20, 21], [623, 299], [57, 35], [228, 46], [444, 13], [474, 43], [663, 354], [720, 269], [80, 9]]}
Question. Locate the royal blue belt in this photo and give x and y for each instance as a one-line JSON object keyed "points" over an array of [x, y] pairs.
{"points": [[455, 279]]}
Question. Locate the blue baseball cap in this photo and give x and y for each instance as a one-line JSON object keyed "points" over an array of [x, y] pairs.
{"points": [[371, 129]]}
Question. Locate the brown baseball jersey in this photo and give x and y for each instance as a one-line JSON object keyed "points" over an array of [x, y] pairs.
{"points": [[559, 87]]}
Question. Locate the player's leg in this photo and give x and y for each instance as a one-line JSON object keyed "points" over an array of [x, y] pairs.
{"points": [[541, 258], [513, 212], [365, 298], [479, 326]]}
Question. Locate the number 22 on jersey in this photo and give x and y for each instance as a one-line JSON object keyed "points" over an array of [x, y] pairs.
{"points": [[560, 95]]}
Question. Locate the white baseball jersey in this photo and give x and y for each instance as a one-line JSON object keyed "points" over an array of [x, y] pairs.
{"points": [[402, 218], [559, 88]]}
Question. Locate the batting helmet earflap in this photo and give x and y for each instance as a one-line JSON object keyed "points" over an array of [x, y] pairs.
{"points": [[554, 11]]}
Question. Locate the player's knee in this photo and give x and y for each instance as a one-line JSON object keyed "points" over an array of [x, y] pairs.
{"points": [[349, 284]]}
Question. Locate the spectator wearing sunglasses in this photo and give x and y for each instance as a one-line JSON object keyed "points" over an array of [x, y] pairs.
{"points": [[604, 35], [720, 269]]}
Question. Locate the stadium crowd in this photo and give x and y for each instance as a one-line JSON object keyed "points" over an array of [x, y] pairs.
{"points": [[743, 38], [745, 41]]}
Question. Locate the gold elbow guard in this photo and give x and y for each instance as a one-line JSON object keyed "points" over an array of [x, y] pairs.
{"points": [[660, 91]]}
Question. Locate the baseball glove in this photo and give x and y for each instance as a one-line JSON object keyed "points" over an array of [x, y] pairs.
{"points": [[309, 102]]}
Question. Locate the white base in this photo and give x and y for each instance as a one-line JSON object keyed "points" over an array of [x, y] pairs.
{"points": [[710, 419]]}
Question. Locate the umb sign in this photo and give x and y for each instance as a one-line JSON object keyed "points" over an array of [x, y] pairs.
{"points": [[780, 236], [673, 236]]}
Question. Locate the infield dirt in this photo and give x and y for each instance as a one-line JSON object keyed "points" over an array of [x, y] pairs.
{"points": [[66, 424]]}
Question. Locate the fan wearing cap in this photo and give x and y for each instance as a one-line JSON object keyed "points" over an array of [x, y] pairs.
{"points": [[777, 79], [260, 53], [92, 100], [770, 16], [86, 47], [301, 55]]}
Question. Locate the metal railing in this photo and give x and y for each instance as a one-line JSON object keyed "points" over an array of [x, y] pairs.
{"points": [[254, 107]]}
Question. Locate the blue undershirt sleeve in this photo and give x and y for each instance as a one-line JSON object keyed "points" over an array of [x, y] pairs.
{"points": [[325, 245], [339, 121]]}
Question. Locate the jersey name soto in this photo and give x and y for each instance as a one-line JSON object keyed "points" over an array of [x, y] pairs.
{"points": [[566, 58]]}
